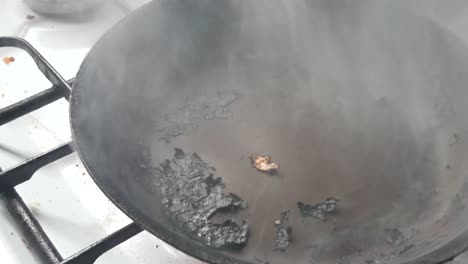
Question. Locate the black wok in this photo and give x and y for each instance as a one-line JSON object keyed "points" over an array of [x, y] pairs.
{"points": [[364, 101]]}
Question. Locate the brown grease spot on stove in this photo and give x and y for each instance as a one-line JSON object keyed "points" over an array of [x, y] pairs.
{"points": [[26, 243], [8, 60]]}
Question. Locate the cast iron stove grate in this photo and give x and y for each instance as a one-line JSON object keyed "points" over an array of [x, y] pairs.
{"points": [[34, 234]]}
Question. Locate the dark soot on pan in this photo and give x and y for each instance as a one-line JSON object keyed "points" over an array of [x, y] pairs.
{"points": [[283, 232], [192, 195]]}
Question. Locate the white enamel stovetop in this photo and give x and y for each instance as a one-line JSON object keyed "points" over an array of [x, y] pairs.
{"points": [[63, 197]]}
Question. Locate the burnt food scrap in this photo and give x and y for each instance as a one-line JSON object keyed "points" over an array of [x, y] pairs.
{"points": [[320, 210], [193, 195], [283, 232], [393, 236], [263, 163]]}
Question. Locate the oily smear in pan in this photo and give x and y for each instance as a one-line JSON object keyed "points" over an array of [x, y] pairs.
{"points": [[192, 195]]}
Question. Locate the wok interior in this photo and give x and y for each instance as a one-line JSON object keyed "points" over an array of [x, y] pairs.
{"points": [[359, 101]]}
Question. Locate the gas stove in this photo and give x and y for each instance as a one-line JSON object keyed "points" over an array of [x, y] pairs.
{"points": [[57, 214]]}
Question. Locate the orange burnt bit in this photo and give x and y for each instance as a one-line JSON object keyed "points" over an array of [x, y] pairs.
{"points": [[263, 163]]}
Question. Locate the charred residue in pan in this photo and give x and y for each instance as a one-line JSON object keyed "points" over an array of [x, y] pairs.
{"points": [[283, 232], [393, 236], [319, 210], [192, 195]]}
